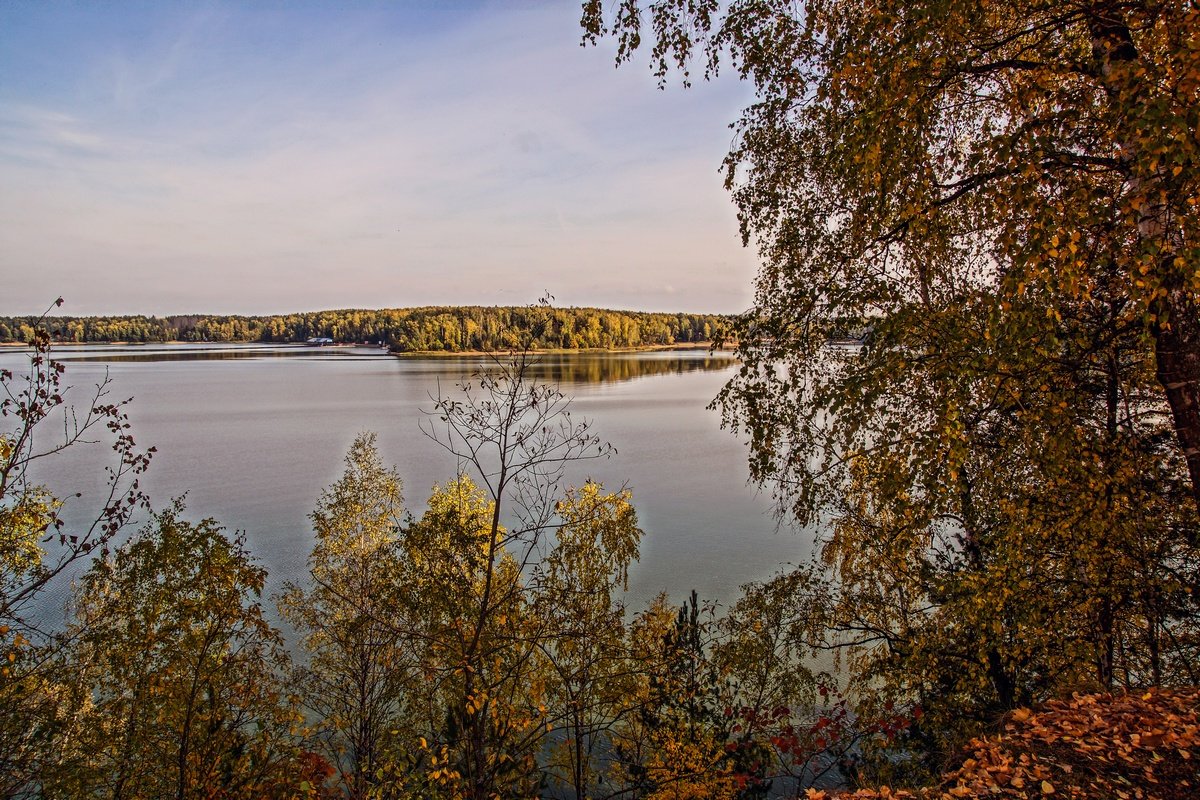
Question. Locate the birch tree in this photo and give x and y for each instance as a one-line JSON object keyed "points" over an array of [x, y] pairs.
{"points": [[357, 669], [999, 201]]}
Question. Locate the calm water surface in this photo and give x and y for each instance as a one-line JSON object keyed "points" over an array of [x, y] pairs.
{"points": [[253, 433]]}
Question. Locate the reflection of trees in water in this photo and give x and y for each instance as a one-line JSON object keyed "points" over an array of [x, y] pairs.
{"points": [[186, 355], [219, 354], [610, 368], [559, 368]]}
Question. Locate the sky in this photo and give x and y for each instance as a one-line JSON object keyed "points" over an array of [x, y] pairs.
{"points": [[267, 157]]}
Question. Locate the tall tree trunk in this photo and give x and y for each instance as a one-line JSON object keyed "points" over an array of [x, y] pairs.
{"points": [[1177, 363], [1176, 327]]}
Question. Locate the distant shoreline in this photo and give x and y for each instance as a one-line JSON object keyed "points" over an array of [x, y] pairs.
{"points": [[430, 330], [155, 344], [648, 348]]}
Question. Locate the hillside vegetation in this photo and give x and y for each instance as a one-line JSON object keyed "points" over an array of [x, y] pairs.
{"points": [[432, 328]]}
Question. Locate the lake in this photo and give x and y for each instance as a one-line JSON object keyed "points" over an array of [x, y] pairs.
{"points": [[253, 433]]}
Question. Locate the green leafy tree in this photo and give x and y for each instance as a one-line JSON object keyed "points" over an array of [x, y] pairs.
{"points": [[176, 674], [476, 709], [579, 586], [358, 668]]}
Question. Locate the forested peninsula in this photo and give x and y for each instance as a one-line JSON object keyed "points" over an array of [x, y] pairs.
{"points": [[451, 329]]}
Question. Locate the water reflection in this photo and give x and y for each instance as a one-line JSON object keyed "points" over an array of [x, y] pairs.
{"points": [[557, 368], [566, 368], [209, 353], [253, 436]]}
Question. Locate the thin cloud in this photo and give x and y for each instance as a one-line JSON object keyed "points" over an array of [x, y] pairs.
{"points": [[493, 160]]}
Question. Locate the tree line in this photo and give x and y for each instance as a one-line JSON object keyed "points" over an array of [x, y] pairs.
{"points": [[438, 329]]}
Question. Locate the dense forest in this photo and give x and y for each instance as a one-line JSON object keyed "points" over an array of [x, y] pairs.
{"points": [[450, 329]]}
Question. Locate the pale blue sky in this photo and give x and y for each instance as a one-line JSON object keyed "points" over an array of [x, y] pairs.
{"points": [[263, 157]]}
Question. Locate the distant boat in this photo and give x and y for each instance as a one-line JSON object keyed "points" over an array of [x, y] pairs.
{"points": [[319, 341]]}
